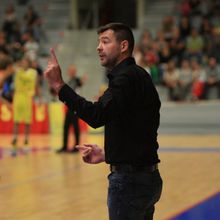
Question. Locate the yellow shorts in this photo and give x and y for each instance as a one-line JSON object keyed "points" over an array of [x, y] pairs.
{"points": [[22, 109]]}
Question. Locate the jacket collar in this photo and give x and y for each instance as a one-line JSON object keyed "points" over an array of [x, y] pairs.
{"points": [[120, 67]]}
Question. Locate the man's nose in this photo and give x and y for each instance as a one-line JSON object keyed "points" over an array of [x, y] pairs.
{"points": [[99, 47]]}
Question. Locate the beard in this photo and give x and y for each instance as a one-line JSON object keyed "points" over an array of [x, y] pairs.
{"points": [[109, 62]]}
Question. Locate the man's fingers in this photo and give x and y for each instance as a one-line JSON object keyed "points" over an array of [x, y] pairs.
{"points": [[80, 147], [91, 145], [53, 55], [94, 147], [86, 152], [83, 147], [49, 62]]}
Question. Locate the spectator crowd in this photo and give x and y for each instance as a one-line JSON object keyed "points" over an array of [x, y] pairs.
{"points": [[20, 37], [183, 55]]}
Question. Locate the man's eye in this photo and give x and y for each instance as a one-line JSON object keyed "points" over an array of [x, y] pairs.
{"points": [[105, 41]]}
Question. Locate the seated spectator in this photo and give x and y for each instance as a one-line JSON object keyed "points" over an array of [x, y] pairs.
{"points": [[195, 7], [213, 77], [185, 8], [9, 23], [177, 46], [33, 23], [205, 30], [160, 39], [206, 26], [171, 81], [16, 51], [195, 45], [145, 40], [167, 27], [31, 48], [165, 56], [151, 61], [199, 78], [214, 45], [214, 8], [185, 27], [185, 80]]}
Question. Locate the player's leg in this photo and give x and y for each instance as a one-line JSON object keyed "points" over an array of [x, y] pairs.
{"points": [[75, 121]]}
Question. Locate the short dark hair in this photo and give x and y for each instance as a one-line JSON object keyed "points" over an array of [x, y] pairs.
{"points": [[122, 32]]}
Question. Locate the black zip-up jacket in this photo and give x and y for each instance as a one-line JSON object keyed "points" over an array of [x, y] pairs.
{"points": [[129, 110]]}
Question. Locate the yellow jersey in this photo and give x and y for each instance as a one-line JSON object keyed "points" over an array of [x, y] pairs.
{"points": [[24, 90]]}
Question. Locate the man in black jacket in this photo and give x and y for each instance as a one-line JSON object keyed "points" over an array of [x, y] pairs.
{"points": [[129, 110]]}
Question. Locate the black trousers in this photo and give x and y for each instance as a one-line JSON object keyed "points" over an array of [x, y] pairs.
{"points": [[71, 120]]}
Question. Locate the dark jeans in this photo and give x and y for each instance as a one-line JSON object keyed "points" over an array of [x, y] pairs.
{"points": [[131, 196], [71, 120]]}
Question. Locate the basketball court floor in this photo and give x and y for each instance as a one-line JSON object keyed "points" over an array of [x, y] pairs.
{"points": [[43, 185]]}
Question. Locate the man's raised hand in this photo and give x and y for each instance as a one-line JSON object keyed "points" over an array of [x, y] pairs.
{"points": [[53, 72]]}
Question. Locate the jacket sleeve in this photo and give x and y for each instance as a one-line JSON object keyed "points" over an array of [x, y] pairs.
{"points": [[97, 114]]}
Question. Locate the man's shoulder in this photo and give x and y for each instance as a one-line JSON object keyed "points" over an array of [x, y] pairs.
{"points": [[137, 71]]}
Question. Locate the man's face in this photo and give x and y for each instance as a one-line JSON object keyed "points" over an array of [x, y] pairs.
{"points": [[108, 49]]}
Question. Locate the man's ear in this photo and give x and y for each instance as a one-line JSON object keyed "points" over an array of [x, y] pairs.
{"points": [[124, 46]]}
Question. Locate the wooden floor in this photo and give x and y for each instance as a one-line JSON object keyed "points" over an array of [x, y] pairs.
{"points": [[43, 185]]}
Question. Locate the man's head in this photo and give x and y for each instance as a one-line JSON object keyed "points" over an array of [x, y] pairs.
{"points": [[116, 42]]}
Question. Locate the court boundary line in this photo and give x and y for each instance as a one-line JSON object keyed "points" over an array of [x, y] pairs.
{"points": [[193, 206]]}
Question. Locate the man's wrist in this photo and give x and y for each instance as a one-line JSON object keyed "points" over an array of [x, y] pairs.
{"points": [[58, 87]]}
